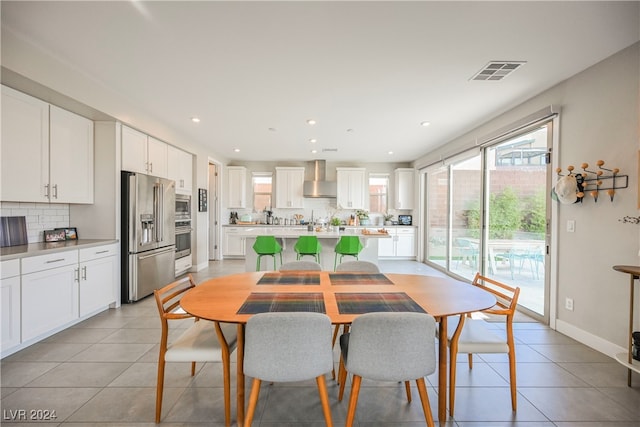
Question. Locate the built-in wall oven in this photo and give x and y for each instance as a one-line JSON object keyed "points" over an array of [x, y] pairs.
{"points": [[183, 226]]}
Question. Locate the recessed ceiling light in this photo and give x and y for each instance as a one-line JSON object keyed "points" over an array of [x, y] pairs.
{"points": [[425, 124], [314, 151], [311, 122], [313, 140], [195, 119], [237, 150], [390, 152]]}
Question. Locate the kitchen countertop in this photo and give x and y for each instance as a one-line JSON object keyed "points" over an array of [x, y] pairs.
{"points": [[41, 248], [299, 226], [295, 232]]}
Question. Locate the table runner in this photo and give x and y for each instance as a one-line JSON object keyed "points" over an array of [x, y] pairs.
{"points": [[290, 278], [259, 302], [359, 279], [360, 303]]}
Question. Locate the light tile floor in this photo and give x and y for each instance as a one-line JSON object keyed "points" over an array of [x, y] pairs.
{"points": [[102, 373]]}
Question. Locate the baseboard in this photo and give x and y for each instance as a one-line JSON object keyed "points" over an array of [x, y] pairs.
{"points": [[200, 266], [590, 340]]}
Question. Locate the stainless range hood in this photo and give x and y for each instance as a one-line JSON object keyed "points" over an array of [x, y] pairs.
{"points": [[315, 184]]}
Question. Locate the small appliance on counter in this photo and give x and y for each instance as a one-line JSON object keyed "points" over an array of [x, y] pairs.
{"points": [[405, 219]]}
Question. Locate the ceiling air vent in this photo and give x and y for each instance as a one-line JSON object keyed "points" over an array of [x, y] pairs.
{"points": [[497, 70], [331, 150]]}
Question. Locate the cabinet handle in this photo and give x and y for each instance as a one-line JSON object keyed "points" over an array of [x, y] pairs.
{"points": [[55, 260], [76, 275], [102, 252], [46, 191], [55, 191], [84, 273], [150, 166]]}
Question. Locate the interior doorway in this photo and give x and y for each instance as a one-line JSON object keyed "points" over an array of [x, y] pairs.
{"points": [[213, 234]]}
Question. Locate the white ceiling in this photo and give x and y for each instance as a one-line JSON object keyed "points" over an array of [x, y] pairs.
{"points": [[377, 68]]}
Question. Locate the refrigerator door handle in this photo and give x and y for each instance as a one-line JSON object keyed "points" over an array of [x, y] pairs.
{"points": [[159, 214]]}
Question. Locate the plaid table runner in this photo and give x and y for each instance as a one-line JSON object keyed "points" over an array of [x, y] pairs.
{"points": [[259, 302], [359, 303], [290, 278], [359, 279]]}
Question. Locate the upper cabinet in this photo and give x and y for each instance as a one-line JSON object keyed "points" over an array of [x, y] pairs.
{"points": [[180, 169], [289, 187], [236, 187], [404, 185], [144, 154], [48, 148], [352, 191]]}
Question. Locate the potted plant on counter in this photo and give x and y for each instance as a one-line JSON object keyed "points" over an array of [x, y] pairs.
{"points": [[363, 217], [335, 223], [388, 219]]}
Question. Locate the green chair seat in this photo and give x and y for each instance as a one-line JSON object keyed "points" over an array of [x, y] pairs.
{"points": [[308, 245], [347, 246], [267, 246]]}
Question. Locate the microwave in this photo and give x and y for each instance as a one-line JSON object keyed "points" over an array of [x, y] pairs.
{"points": [[183, 207], [405, 220]]}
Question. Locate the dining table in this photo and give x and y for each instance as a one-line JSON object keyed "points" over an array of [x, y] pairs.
{"points": [[342, 296]]}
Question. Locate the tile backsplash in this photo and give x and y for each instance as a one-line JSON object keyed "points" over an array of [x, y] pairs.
{"points": [[39, 216]]}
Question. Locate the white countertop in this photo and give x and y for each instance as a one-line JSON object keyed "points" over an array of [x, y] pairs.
{"points": [[295, 232]]}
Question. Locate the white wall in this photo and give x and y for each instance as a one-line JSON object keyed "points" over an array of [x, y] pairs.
{"points": [[599, 120]]}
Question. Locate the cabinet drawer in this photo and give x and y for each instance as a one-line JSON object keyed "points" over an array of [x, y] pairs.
{"points": [[46, 262], [9, 268], [98, 252], [405, 231]]}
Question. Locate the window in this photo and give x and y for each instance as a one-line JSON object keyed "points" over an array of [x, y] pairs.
{"points": [[378, 190], [262, 190]]}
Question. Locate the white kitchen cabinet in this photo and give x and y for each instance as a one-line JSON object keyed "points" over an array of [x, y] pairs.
{"points": [[236, 187], [351, 191], [49, 148], [180, 169], [98, 274], [49, 292], [234, 243], [10, 304], [289, 187], [400, 245], [143, 154], [404, 188]]}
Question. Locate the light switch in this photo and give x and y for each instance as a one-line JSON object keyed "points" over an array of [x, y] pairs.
{"points": [[571, 226]]}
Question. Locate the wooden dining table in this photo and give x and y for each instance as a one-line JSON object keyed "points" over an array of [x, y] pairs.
{"points": [[342, 296]]}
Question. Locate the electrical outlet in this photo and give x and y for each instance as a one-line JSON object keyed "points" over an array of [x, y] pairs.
{"points": [[568, 304], [571, 226]]}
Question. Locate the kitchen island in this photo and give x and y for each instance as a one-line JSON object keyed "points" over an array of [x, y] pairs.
{"points": [[287, 236]]}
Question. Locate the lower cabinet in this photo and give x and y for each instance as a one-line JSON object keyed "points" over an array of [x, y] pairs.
{"points": [[10, 303], [234, 243], [49, 299], [402, 243], [98, 272]]}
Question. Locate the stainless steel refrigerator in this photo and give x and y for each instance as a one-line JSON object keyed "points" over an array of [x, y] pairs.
{"points": [[148, 234]]}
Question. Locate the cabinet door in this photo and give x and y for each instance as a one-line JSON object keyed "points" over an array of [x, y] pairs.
{"points": [[25, 148], [289, 187], [236, 186], [10, 312], [70, 157], [49, 300], [404, 195], [179, 169], [387, 246], [405, 245], [96, 284], [157, 158], [233, 243], [134, 150], [351, 189]]}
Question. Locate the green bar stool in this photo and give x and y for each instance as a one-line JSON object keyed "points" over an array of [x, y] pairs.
{"points": [[347, 245], [308, 245], [267, 246]]}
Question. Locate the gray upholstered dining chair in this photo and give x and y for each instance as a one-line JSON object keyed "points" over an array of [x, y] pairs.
{"points": [[359, 266], [287, 347], [203, 341], [389, 347], [301, 266]]}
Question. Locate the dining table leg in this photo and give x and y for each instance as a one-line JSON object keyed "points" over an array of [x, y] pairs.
{"points": [[442, 370], [240, 384]]}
